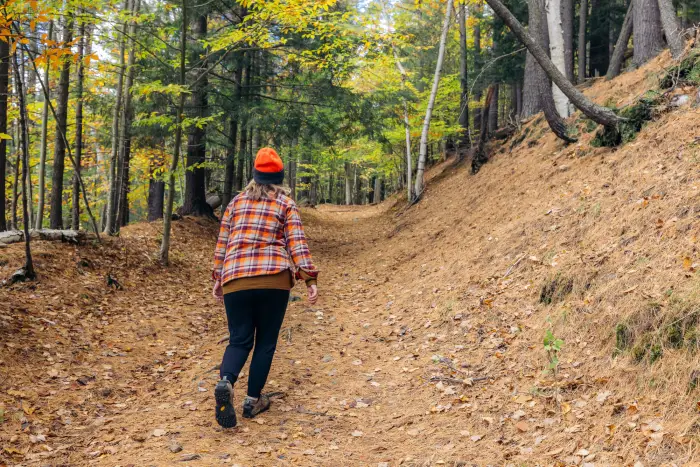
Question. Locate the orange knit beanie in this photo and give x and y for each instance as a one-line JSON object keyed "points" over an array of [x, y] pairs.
{"points": [[269, 168]]}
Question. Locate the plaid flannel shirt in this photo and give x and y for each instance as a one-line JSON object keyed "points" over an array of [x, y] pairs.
{"points": [[262, 237]]}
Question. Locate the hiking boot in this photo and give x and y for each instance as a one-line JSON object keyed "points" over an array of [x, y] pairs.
{"points": [[225, 413], [252, 407]]}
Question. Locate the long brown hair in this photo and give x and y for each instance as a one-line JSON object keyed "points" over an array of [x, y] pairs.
{"points": [[257, 191]]}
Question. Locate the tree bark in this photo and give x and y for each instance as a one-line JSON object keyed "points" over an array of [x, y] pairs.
{"points": [[230, 170], [59, 155], [672, 28], [240, 165], [156, 190], [168, 215], [195, 203], [582, 23], [127, 117], [492, 122], [533, 73], [618, 56], [567, 25], [112, 197], [431, 102], [480, 158], [599, 33], [75, 222], [463, 78], [648, 35], [28, 272], [4, 89], [348, 184], [377, 198], [477, 70], [557, 51], [44, 142], [539, 30], [14, 223], [593, 111]]}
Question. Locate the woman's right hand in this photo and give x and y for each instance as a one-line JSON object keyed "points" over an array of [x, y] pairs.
{"points": [[218, 291], [312, 291]]}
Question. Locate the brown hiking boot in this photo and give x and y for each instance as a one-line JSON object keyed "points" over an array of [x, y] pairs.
{"points": [[225, 413], [251, 407]]}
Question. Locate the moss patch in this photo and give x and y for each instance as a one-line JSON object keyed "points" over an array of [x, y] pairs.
{"points": [[636, 116], [556, 289], [687, 73]]}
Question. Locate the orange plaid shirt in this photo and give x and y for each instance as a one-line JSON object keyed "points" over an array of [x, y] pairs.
{"points": [[262, 237]]}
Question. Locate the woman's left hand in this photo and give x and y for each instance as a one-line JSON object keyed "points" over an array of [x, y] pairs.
{"points": [[218, 291]]}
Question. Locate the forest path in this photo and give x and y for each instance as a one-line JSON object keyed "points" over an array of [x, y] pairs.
{"points": [[96, 376], [353, 395]]}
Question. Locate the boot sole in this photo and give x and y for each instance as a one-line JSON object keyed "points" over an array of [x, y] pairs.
{"points": [[225, 413]]}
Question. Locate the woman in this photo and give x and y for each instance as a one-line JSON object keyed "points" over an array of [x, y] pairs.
{"points": [[261, 249]]}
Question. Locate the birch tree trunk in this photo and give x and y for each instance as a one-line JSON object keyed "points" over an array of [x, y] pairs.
{"points": [[556, 50], [168, 215], [672, 28], [112, 197], [595, 112], [44, 142], [431, 102], [618, 55], [348, 184], [582, 23]]}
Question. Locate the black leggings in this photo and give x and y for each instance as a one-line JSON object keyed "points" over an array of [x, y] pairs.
{"points": [[253, 315]]}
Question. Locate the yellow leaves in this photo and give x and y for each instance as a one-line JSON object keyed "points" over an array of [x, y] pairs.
{"points": [[565, 408], [5, 136]]}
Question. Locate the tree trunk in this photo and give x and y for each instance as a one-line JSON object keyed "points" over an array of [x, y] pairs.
{"points": [[463, 78], [533, 73], [599, 33], [240, 165], [672, 28], [44, 142], [14, 223], [75, 223], [377, 198], [156, 190], [618, 56], [195, 194], [112, 197], [230, 171], [4, 89], [518, 99], [593, 111], [127, 117], [477, 70], [492, 122], [480, 154], [168, 215], [540, 30], [557, 51], [28, 272], [431, 102], [648, 35], [348, 184], [582, 23], [59, 154], [567, 25]]}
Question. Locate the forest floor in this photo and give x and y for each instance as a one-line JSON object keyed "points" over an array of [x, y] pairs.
{"points": [[426, 347]]}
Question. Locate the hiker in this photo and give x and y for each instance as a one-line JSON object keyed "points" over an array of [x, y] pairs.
{"points": [[260, 251]]}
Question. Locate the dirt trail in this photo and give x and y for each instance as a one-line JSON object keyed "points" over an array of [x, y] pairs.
{"points": [[125, 377]]}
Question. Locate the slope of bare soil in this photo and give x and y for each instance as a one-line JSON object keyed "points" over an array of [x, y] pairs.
{"points": [[427, 346]]}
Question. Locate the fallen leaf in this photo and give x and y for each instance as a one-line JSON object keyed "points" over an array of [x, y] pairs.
{"points": [[357, 433], [158, 432], [476, 438], [522, 426]]}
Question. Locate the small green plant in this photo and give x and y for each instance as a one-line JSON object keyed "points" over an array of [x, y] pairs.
{"points": [[623, 337], [552, 345]]}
